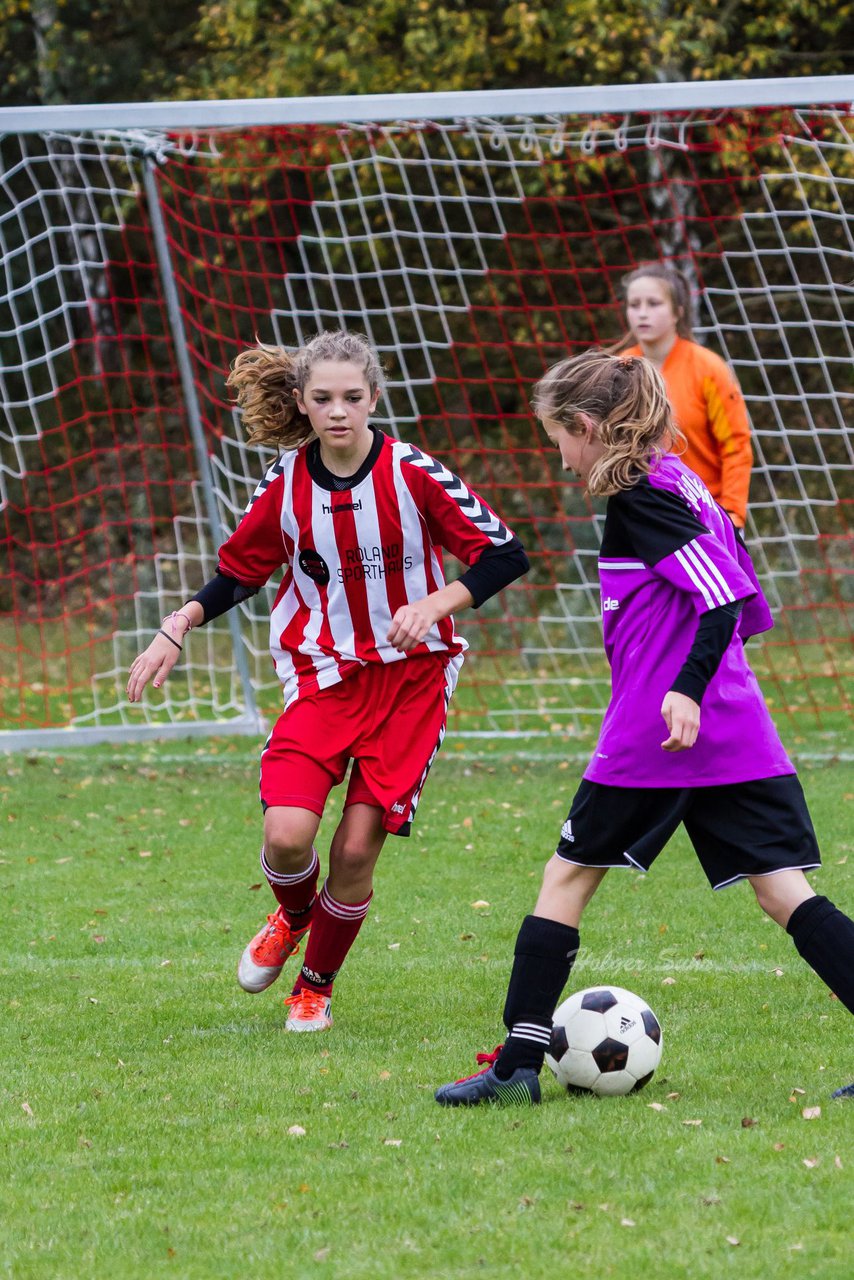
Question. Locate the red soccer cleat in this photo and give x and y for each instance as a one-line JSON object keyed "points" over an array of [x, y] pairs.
{"points": [[264, 958]]}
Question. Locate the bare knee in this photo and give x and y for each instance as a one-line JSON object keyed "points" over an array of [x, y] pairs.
{"points": [[567, 889], [353, 858], [780, 893], [288, 836]]}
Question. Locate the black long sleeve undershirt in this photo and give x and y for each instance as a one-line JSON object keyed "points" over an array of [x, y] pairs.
{"points": [[495, 570], [222, 593], [714, 632]]}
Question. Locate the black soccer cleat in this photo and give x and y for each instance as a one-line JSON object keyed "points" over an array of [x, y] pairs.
{"points": [[847, 1091], [521, 1090]]}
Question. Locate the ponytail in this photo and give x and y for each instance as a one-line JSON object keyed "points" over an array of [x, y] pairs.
{"points": [[626, 400]]}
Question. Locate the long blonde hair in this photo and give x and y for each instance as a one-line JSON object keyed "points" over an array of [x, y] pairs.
{"points": [[627, 401], [264, 379]]}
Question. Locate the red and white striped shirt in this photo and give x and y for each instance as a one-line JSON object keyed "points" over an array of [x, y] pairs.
{"points": [[352, 557]]}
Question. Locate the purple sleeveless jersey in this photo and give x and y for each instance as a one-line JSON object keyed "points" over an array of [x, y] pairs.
{"points": [[669, 554]]}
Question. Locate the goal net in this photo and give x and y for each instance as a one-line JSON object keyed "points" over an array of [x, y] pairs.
{"points": [[473, 251]]}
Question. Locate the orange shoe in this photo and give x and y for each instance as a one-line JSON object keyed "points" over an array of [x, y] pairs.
{"points": [[309, 1011], [264, 958]]}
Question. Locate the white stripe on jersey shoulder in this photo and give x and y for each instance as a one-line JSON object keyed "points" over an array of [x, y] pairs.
{"points": [[621, 564], [705, 567], [276, 469], [469, 504], [696, 547], [703, 586]]}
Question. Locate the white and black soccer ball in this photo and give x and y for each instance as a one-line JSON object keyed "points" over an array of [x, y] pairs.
{"points": [[605, 1040]]}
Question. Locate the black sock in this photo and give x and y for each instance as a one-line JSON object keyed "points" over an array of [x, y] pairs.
{"points": [[545, 951], [824, 936]]}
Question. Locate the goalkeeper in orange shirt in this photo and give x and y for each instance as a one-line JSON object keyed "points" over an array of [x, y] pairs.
{"points": [[706, 399]]}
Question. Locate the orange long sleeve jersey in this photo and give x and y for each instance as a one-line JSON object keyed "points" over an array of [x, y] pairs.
{"points": [[710, 410]]}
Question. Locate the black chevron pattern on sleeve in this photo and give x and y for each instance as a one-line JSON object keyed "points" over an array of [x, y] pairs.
{"points": [[267, 479], [469, 504]]}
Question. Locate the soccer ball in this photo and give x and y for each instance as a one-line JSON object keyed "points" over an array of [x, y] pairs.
{"points": [[605, 1040]]}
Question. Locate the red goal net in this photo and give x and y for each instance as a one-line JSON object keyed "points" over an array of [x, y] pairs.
{"points": [[473, 253]]}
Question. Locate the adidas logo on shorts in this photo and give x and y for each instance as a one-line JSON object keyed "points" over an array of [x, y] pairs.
{"points": [[566, 832]]}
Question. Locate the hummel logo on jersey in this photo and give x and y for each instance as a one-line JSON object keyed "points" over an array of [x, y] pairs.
{"points": [[398, 808], [609, 604], [341, 506], [566, 832], [626, 1024]]}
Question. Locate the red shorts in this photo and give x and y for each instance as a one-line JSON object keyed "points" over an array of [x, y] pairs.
{"points": [[389, 718]]}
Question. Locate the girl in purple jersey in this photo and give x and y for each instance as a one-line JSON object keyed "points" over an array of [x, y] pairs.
{"points": [[686, 738]]}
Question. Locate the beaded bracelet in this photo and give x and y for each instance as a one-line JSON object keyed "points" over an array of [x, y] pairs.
{"points": [[170, 618]]}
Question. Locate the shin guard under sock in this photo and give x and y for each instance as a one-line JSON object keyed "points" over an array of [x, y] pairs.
{"points": [[295, 894], [545, 952], [824, 936], [334, 927]]}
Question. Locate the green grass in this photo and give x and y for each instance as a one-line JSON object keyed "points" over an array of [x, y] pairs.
{"points": [[146, 1102]]}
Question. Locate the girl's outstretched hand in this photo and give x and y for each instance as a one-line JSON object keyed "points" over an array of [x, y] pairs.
{"points": [[157, 661], [682, 717]]}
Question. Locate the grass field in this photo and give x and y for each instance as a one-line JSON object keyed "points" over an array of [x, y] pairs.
{"points": [[157, 1121]]}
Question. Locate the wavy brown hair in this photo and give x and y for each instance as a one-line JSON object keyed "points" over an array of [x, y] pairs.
{"points": [[627, 402], [264, 379], [679, 291]]}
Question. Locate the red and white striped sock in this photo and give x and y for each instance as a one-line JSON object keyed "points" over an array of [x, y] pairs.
{"points": [[334, 926], [296, 894]]}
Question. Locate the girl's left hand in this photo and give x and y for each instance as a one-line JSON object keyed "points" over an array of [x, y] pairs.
{"points": [[411, 623], [682, 717]]}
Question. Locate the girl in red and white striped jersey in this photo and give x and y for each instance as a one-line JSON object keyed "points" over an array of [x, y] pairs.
{"points": [[362, 636]]}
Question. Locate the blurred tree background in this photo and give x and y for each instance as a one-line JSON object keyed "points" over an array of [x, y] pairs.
{"points": [[54, 51]]}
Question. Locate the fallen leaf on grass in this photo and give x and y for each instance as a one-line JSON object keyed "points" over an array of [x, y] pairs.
{"points": [[668, 982], [627, 1222], [656, 1106], [296, 1131], [394, 946], [322, 1254], [811, 1162], [392, 1142], [811, 1113], [779, 1146], [145, 853], [747, 1122], [27, 1110], [480, 903], [733, 1240], [796, 1090], [837, 1162], [721, 1159], [672, 1097], [694, 1122]]}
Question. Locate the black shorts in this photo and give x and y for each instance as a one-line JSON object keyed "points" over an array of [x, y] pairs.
{"points": [[743, 829]]}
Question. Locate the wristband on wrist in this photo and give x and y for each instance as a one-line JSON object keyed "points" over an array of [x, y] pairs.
{"points": [[161, 632]]}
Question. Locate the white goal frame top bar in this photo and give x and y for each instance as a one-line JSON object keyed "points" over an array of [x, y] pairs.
{"points": [[376, 107]]}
